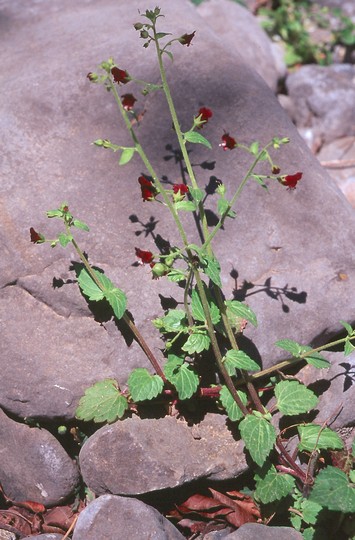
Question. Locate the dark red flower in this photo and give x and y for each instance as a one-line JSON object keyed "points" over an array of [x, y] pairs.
{"points": [[120, 75], [180, 187], [228, 142], [205, 114], [128, 100], [92, 77], [290, 180], [187, 38], [148, 190], [36, 238], [145, 256], [275, 169]]}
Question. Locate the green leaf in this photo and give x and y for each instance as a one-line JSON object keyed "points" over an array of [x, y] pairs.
{"points": [[55, 214], [118, 301], [239, 309], [291, 346], [227, 400], [347, 327], [196, 194], [259, 437], [222, 206], [254, 148], [160, 35], [65, 239], [142, 385], [294, 398], [88, 285], [315, 358], [259, 180], [348, 348], [272, 485], [102, 402], [80, 225], [197, 309], [332, 490], [187, 206], [212, 269], [126, 156], [174, 321], [194, 137], [181, 376], [239, 360], [176, 275], [196, 343], [314, 437]]}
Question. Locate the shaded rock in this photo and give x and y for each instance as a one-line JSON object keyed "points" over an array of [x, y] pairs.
{"points": [[324, 99], [7, 535], [138, 456], [285, 248], [338, 157], [34, 466], [336, 390], [235, 25], [255, 531], [115, 517]]}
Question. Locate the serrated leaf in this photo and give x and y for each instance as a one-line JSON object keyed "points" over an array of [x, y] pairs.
{"points": [[259, 437], [197, 308], [187, 206], [294, 398], [194, 137], [272, 485], [291, 346], [233, 411], [239, 360], [239, 309], [181, 376], [314, 437], [80, 225], [142, 385], [64, 239], [347, 327], [315, 359], [348, 348], [212, 269], [176, 275], [102, 402], [118, 301], [196, 194], [88, 286], [126, 155], [333, 491], [310, 511], [222, 206], [173, 321], [196, 343]]}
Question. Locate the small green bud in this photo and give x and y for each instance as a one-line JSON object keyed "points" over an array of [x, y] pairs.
{"points": [[159, 270], [62, 430], [169, 261], [221, 189], [144, 34], [138, 26]]}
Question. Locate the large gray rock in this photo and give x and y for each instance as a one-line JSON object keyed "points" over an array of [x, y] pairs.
{"points": [[34, 466], [110, 517], [140, 456], [323, 99], [255, 531], [288, 248], [241, 34]]}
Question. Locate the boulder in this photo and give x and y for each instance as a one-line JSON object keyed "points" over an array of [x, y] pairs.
{"points": [[140, 456], [111, 517], [34, 466], [283, 254]]}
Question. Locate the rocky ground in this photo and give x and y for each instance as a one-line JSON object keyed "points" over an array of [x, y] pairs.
{"points": [[294, 248]]}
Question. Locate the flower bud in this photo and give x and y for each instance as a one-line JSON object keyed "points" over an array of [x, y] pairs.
{"points": [[159, 270], [144, 34], [138, 26]]}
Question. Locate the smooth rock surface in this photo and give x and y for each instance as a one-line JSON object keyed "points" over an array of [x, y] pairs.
{"points": [[324, 100], [235, 25], [49, 536], [256, 531], [34, 466], [137, 456], [110, 517], [288, 248]]}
